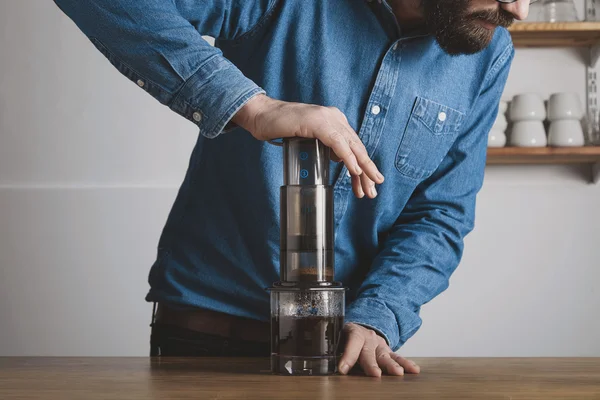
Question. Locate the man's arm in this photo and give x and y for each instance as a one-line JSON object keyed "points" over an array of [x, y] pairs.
{"points": [[158, 44], [425, 245]]}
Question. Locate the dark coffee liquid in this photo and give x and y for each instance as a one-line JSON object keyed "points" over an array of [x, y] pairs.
{"points": [[314, 275], [306, 336]]}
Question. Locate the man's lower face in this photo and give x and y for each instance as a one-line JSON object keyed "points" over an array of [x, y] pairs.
{"points": [[459, 29]]}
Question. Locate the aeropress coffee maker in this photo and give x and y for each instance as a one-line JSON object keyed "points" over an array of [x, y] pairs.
{"points": [[307, 305]]}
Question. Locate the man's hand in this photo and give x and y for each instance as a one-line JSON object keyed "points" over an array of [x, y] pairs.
{"points": [[372, 353], [268, 119]]}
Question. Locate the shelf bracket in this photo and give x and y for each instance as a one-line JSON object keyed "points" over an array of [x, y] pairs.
{"points": [[592, 73], [594, 55], [590, 15], [596, 173], [590, 10]]}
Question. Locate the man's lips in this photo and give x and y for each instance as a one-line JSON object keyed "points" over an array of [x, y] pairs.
{"points": [[486, 24]]}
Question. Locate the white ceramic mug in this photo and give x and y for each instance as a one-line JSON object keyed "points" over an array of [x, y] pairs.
{"points": [[496, 138], [500, 123], [527, 107], [502, 107], [528, 134], [566, 105], [566, 133]]}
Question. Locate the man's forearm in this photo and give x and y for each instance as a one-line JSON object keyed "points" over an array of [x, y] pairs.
{"points": [[414, 267]]}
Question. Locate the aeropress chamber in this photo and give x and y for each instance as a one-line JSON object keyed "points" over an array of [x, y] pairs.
{"points": [[307, 304]]}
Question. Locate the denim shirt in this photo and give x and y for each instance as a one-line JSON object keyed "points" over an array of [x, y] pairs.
{"points": [[422, 114]]}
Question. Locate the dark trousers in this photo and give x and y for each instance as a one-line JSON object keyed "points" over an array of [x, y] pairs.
{"points": [[173, 341]]}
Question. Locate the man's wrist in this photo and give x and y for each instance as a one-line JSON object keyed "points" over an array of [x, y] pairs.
{"points": [[246, 116]]}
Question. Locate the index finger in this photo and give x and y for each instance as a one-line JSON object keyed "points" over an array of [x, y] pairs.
{"points": [[354, 345]]}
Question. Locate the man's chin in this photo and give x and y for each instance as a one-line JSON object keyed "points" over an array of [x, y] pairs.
{"points": [[465, 44]]}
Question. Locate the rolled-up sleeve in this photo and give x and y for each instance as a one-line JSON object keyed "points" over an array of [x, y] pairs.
{"points": [[425, 245], [159, 46]]}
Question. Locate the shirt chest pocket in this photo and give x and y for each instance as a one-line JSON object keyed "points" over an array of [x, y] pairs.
{"points": [[431, 130]]}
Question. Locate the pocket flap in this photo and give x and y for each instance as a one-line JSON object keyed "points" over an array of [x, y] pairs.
{"points": [[437, 117]]}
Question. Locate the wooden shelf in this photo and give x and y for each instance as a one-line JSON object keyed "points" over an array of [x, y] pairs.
{"points": [[548, 155], [544, 155], [559, 34]]}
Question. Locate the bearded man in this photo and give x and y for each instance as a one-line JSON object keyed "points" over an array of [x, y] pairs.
{"points": [[403, 92]]}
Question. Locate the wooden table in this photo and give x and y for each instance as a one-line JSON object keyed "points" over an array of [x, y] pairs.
{"points": [[441, 378]]}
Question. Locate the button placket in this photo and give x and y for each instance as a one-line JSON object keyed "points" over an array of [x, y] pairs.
{"points": [[339, 206], [372, 125]]}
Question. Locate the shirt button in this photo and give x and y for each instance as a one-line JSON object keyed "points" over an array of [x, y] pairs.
{"points": [[442, 116], [197, 116], [348, 173], [140, 83], [375, 109]]}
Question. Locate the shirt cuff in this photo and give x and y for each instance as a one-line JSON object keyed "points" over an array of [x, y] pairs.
{"points": [[394, 326], [212, 96]]}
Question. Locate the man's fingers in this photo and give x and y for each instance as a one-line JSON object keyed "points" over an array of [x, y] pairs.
{"points": [[346, 145], [387, 363], [368, 360], [409, 366], [368, 186], [364, 161], [354, 345], [360, 152], [357, 186], [338, 143]]}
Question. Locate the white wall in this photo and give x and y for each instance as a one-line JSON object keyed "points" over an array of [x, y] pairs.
{"points": [[90, 164]]}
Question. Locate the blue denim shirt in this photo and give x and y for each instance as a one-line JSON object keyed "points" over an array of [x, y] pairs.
{"points": [[422, 114]]}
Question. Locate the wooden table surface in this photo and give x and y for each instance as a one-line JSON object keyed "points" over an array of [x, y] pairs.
{"points": [[205, 378]]}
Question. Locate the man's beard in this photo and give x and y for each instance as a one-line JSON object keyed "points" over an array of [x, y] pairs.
{"points": [[456, 28]]}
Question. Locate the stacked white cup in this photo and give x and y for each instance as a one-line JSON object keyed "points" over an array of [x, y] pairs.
{"points": [[565, 112], [528, 113], [497, 135]]}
